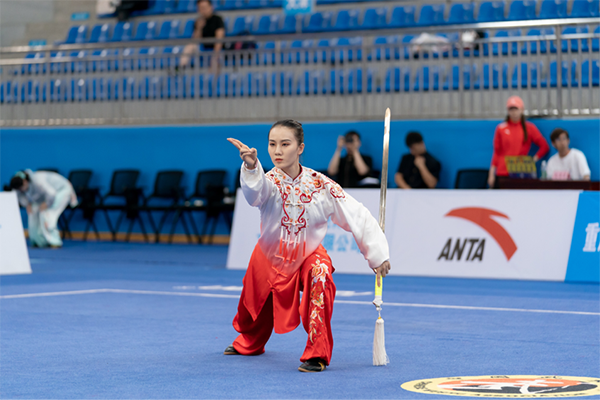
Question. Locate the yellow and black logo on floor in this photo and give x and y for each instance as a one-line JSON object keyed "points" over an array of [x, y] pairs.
{"points": [[511, 386]]}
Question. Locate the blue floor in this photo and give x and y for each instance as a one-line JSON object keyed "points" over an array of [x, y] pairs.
{"points": [[151, 321]]}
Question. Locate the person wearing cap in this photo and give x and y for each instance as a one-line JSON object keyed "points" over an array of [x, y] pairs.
{"points": [[514, 137], [45, 195]]}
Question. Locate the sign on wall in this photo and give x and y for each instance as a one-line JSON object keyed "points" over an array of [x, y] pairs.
{"points": [[484, 234], [14, 258], [468, 233], [584, 257]]}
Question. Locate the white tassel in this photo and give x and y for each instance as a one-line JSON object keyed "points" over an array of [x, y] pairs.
{"points": [[379, 355]]}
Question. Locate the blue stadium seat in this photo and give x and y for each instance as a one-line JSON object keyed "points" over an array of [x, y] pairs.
{"points": [[596, 41], [345, 81], [383, 49], [266, 56], [288, 26], [491, 11], [595, 8], [318, 22], [585, 73], [145, 31], [283, 82], [482, 79], [128, 58], [524, 71], [77, 34], [123, 32], [580, 9], [188, 28], [80, 66], [185, 6], [554, 76], [396, 79], [514, 45], [573, 44], [431, 15], [146, 59], [522, 10], [242, 25], [427, 75], [462, 13], [402, 17], [33, 68], [533, 48], [100, 34], [170, 57], [257, 84], [311, 83], [102, 89], [346, 20], [405, 46], [169, 30], [102, 61], [348, 55], [374, 18], [57, 91], [267, 24], [323, 53], [553, 9]]}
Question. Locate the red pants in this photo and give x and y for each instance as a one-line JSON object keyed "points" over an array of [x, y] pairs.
{"points": [[316, 307]]}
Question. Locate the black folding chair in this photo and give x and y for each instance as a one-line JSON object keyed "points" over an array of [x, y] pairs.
{"points": [[80, 180], [167, 186], [209, 191], [471, 179], [123, 186]]}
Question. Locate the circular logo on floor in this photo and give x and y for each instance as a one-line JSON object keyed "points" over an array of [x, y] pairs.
{"points": [[514, 386]]}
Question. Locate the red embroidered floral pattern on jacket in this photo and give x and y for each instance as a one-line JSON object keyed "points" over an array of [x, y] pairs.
{"points": [[295, 195], [317, 304]]}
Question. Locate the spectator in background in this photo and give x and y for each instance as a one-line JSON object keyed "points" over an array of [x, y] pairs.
{"points": [[45, 195], [349, 170], [513, 137], [418, 169], [208, 25], [567, 164]]}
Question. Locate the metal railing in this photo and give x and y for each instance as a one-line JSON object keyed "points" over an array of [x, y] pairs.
{"points": [[296, 76]]}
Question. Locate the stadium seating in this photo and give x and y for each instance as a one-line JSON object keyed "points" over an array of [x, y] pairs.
{"points": [[462, 14], [491, 11], [553, 9], [521, 9]]}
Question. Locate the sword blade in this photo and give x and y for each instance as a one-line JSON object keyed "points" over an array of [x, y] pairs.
{"points": [[384, 169]]}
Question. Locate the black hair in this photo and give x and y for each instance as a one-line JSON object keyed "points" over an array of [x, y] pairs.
{"points": [[523, 124], [413, 138], [556, 134], [200, 1], [17, 181], [294, 125], [352, 133]]}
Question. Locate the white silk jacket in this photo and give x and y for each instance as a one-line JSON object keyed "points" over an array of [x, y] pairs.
{"points": [[294, 215]]}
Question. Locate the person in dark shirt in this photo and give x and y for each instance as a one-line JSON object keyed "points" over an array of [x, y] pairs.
{"points": [[418, 169], [208, 25], [349, 170]]}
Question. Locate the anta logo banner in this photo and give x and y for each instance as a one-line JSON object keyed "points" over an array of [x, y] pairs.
{"points": [[507, 234], [483, 218], [515, 386], [584, 258]]}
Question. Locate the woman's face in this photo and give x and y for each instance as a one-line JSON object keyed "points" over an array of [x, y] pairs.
{"points": [[25, 186], [283, 148], [515, 114]]}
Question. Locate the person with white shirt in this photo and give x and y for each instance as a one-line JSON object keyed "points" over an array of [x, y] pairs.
{"points": [[566, 164]]}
